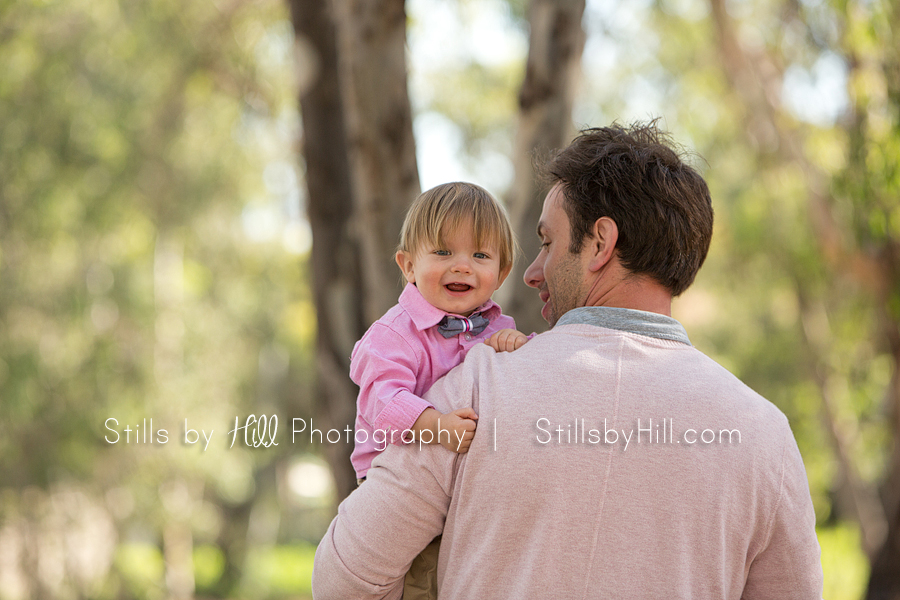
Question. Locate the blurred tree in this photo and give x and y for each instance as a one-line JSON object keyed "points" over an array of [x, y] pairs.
{"points": [[336, 255], [552, 71], [870, 185], [384, 174], [135, 285], [858, 254], [361, 175]]}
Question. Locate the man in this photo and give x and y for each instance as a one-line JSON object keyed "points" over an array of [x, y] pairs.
{"points": [[611, 459]]}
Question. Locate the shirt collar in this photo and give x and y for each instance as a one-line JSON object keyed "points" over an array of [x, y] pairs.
{"points": [[625, 319], [424, 315]]}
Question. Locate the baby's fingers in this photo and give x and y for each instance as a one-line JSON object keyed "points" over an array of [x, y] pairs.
{"points": [[519, 341], [507, 340], [465, 413], [514, 341], [494, 341], [463, 445]]}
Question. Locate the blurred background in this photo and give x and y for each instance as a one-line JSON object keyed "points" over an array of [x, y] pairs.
{"points": [[199, 200]]}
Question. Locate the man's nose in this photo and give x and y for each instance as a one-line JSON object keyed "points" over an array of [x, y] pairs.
{"points": [[534, 274]]}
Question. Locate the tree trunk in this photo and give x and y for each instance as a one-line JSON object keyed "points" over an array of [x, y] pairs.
{"points": [[372, 55], [337, 286], [884, 578], [361, 174], [545, 123]]}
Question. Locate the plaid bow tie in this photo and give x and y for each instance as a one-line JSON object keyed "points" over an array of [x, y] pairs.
{"points": [[450, 326]]}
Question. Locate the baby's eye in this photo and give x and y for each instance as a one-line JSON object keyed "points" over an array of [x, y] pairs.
{"points": [[481, 255], [442, 252]]}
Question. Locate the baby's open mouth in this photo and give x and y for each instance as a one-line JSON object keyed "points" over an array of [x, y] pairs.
{"points": [[458, 287]]}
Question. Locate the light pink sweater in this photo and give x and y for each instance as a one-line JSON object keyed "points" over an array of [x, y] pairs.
{"points": [[543, 507]]}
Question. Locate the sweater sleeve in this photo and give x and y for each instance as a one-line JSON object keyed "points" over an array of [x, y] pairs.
{"points": [[388, 520], [383, 365], [789, 565], [384, 524]]}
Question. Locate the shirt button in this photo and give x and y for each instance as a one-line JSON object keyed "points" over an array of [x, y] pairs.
{"points": [[468, 337]]}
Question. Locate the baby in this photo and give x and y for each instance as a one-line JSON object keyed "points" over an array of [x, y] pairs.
{"points": [[456, 249]]}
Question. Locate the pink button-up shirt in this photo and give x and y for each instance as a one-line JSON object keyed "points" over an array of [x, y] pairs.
{"points": [[396, 362]]}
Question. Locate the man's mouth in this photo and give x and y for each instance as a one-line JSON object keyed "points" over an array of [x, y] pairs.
{"points": [[545, 310], [458, 287]]}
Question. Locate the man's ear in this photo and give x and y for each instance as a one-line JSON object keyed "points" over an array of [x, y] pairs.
{"points": [[405, 262], [602, 242]]}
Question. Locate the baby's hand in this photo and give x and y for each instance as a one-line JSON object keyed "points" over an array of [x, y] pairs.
{"points": [[457, 429], [506, 340]]}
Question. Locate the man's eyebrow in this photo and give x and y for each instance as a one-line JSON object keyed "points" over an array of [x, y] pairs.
{"points": [[540, 228]]}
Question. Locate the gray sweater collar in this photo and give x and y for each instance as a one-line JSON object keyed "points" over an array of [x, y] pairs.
{"points": [[626, 319]]}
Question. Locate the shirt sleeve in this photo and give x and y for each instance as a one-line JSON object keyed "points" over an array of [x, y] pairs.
{"points": [[789, 565], [383, 365]]}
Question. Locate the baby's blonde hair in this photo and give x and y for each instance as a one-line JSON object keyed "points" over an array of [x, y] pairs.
{"points": [[445, 207]]}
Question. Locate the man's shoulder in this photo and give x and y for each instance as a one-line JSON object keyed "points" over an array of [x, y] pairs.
{"points": [[695, 376], [733, 403], [720, 376], [483, 362], [457, 388]]}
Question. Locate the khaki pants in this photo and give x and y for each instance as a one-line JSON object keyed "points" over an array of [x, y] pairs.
{"points": [[421, 580]]}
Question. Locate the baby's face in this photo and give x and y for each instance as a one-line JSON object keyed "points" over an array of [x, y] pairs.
{"points": [[457, 277]]}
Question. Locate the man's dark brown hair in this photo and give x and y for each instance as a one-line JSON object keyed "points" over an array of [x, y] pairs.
{"points": [[636, 176]]}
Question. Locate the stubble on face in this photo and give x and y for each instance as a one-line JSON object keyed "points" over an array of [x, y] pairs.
{"points": [[563, 275], [565, 285]]}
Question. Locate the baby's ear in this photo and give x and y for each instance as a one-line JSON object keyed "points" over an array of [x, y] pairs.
{"points": [[406, 264], [504, 273]]}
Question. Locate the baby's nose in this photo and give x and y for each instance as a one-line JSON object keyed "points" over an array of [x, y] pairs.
{"points": [[462, 264]]}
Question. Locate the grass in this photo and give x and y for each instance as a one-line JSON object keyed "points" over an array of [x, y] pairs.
{"points": [[281, 572], [843, 562]]}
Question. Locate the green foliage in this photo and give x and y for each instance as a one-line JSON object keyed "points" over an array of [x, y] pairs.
{"points": [[845, 566], [209, 565], [145, 190], [281, 571], [142, 570], [274, 572]]}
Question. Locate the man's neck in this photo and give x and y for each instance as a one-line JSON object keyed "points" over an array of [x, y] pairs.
{"points": [[649, 298], [629, 290]]}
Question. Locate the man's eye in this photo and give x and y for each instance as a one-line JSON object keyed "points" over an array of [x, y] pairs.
{"points": [[544, 245]]}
